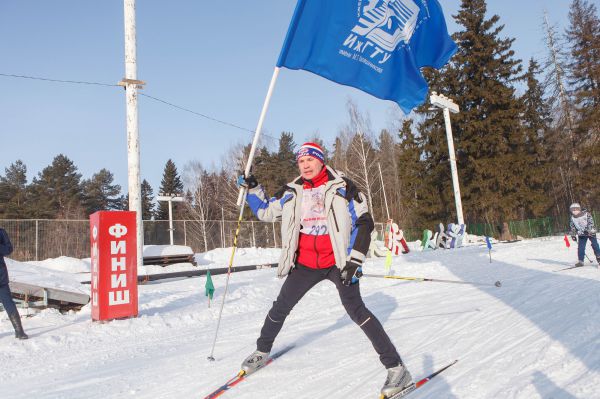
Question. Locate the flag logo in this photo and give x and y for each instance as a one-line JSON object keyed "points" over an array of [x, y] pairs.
{"points": [[387, 22], [377, 46]]}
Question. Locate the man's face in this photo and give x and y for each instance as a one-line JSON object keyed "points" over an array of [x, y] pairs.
{"points": [[309, 167]]}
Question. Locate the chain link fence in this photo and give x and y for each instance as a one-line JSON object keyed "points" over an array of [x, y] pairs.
{"points": [[42, 238], [530, 228]]}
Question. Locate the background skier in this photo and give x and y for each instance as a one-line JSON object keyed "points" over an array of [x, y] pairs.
{"points": [[582, 229], [325, 233], [6, 249]]}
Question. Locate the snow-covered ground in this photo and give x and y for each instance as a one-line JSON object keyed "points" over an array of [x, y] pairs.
{"points": [[536, 337]]}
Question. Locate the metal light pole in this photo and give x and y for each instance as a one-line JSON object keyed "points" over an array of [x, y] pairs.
{"points": [[448, 106], [170, 199], [131, 85]]}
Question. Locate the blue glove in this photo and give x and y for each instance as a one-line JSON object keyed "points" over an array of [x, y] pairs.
{"points": [[351, 273], [248, 182]]}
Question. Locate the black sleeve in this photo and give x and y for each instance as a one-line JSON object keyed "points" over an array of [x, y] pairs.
{"points": [[364, 226]]}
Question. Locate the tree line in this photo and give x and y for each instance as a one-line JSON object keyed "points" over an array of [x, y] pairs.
{"points": [[527, 140]]}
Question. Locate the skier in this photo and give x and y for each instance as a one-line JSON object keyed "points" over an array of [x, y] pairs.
{"points": [[582, 229], [6, 249], [325, 230]]}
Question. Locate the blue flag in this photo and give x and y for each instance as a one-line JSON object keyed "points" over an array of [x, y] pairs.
{"points": [[377, 46], [488, 242]]}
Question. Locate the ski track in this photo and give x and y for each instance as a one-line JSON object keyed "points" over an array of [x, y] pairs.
{"points": [[536, 337]]}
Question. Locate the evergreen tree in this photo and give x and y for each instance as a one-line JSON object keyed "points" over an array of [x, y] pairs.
{"points": [[286, 158], [338, 159], [13, 190], [100, 193], [56, 191], [170, 184], [489, 140], [409, 173], [536, 121], [147, 201], [273, 170], [583, 35]]}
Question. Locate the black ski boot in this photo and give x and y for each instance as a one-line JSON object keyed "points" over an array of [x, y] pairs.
{"points": [[15, 319]]}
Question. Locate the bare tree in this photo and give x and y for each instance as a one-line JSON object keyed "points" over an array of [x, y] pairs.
{"points": [[361, 155]]}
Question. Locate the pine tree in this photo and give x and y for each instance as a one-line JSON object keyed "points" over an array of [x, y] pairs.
{"points": [[56, 191], [274, 170], [489, 140], [583, 35], [409, 173], [537, 121], [286, 158], [13, 191], [170, 184], [147, 201], [100, 193]]}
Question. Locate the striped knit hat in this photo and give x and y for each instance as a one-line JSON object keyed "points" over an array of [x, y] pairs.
{"points": [[312, 150]]}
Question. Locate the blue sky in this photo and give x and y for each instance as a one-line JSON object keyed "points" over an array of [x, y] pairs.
{"points": [[213, 57]]}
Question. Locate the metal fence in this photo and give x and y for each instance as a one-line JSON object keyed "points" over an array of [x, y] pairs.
{"points": [[530, 228], [42, 238]]}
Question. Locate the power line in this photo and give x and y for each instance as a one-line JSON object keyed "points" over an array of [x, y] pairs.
{"points": [[141, 94], [57, 80], [196, 113]]}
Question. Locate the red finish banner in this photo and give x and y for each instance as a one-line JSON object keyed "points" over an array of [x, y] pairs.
{"points": [[114, 269]]}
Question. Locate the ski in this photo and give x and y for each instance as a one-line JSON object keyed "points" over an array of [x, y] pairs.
{"points": [[568, 268], [418, 384], [241, 376]]}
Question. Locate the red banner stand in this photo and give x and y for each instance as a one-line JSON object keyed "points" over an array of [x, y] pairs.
{"points": [[114, 269]]}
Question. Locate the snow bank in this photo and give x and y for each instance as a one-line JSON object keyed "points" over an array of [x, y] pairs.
{"points": [[537, 337]]}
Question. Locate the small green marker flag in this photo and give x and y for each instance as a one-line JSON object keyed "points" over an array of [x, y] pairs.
{"points": [[388, 261], [210, 288]]}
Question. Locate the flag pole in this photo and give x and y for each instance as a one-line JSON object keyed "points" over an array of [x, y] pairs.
{"points": [[258, 130], [387, 210], [241, 199]]}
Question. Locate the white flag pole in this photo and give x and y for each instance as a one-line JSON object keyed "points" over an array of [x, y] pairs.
{"points": [[258, 131], [241, 198], [387, 210]]}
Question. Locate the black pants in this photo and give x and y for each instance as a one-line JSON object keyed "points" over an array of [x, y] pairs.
{"points": [[298, 283], [6, 300]]}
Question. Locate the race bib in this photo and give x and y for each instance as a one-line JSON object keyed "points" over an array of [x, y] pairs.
{"points": [[314, 220]]}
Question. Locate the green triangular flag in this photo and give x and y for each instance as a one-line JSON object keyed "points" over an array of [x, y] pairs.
{"points": [[210, 288]]}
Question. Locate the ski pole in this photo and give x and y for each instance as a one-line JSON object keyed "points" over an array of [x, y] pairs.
{"points": [[421, 279], [241, 201]]}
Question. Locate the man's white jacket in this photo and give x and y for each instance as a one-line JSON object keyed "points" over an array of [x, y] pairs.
{"points": [[348, 220]]}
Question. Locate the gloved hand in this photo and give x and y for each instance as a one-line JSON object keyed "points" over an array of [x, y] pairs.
{"points": [[351, 273], [248, 182], [574, 238]]}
